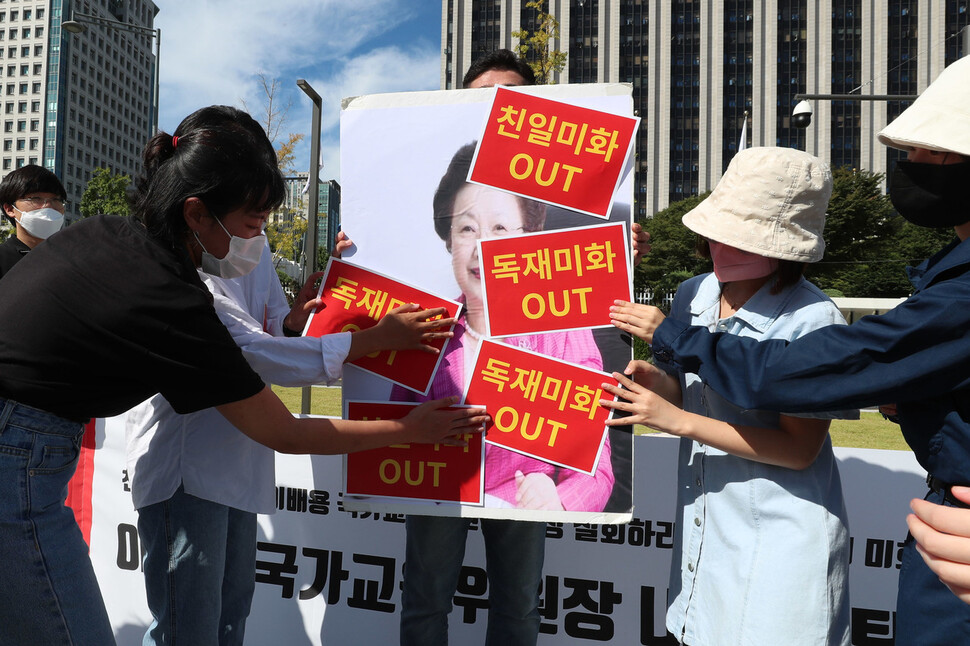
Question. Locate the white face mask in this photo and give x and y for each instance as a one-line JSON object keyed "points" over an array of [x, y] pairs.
{"points": [[242, 257], [41, 223]]}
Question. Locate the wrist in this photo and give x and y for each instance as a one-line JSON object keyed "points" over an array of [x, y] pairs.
{"points": [[363, 342], [289, 331]]}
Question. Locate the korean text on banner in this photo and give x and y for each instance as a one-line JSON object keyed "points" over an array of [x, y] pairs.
{"points": [[557, 280], [414, 471], [554, 152], [354, 298], [541, 407]]}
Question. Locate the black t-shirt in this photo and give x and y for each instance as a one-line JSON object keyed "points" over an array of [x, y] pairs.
{"points": [[101, 317], [11, 251]]}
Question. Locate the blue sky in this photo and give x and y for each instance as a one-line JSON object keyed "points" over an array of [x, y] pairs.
{"points": [[213, 50]]}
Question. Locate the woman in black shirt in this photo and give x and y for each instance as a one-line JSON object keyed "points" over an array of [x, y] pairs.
{"points": [[112, 311]]}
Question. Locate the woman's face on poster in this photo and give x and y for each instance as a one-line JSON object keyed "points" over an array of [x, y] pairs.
{"points": [[480, 213]]}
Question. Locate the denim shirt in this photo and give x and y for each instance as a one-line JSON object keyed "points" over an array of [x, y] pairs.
{"points": [[740, 521]]}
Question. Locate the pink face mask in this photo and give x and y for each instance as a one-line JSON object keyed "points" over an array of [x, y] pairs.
{"points": [[732, 264]]}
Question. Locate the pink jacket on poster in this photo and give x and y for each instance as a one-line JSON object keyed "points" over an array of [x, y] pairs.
{"points": [[577, 491]]}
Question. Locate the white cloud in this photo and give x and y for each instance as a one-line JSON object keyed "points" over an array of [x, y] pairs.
{"points": [[212, 51]]}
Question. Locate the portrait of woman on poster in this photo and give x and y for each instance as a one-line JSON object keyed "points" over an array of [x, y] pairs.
{"points": [[464, 213]]}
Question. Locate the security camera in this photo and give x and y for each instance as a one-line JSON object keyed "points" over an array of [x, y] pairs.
{"points": [[801, 116]]}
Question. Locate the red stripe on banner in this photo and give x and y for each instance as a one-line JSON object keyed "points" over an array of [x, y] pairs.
{"points": [[79, 488]]}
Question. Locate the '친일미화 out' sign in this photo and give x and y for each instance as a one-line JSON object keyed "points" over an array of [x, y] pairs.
{"points": [[355, 298], [552, 151], [554, 280], [541, 407], [414, 471]]}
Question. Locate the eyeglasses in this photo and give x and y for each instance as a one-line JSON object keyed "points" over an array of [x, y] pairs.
{"points": [[41, 202]]}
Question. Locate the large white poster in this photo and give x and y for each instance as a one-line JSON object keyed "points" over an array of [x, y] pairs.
{"points": [[327, 575], [407, 205]]}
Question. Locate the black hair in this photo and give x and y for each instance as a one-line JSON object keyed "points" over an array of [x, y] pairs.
{"points": [[218, 154], [788, 273], [454, 179], [501, 60], [26, 180]]}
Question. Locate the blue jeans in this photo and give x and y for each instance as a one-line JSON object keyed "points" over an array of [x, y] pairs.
{"points": [[200, 570], [514, 551], [48, 592]]}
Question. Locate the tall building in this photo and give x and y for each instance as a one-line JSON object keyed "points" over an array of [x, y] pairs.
{"points": [[696, 67], [297, 205], [328, 214], [76, 102]]}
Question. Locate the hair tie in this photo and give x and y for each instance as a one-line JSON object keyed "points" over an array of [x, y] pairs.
{"points": [[175, 141]]}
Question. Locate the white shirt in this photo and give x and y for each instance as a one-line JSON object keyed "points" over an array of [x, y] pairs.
{"points": [[202, 450]]}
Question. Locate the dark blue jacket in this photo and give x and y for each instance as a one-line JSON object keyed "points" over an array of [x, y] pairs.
{"points": [[917, 356]]}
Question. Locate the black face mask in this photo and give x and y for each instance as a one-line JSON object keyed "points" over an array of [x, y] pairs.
{"points": [[931, 195]]}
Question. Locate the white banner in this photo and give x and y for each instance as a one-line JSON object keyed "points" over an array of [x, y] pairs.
{"points": [[330, 576]]}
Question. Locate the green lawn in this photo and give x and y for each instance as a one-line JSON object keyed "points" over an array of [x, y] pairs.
{"points": [[870, 432]]}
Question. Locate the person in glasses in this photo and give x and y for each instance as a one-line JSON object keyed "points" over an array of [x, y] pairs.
{"points": [[33, 201]]}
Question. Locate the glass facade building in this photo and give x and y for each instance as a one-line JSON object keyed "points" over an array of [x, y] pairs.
{"points": [[76, 102], [696, 67]]}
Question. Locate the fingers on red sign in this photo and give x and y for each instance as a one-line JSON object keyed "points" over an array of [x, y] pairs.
{"points": [[558, 280], [414, 471], [553, 151], [541, 407], [354, 298]]}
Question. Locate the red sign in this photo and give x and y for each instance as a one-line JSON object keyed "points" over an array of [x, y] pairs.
{"points": [[541, 407], [414, 471], [556, 280], [355, 298], [552, 151]]}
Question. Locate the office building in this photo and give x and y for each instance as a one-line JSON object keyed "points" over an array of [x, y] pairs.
{"points": [[73, 102], [696, 66], [296, 205], [328, 214]]}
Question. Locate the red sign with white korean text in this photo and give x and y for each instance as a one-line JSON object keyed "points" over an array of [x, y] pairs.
{"points": [[552, 151], [541, 407], [355, 298], [556, 280], [414, 471]]}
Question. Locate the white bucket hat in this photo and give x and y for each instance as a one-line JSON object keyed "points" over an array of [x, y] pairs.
{"points": [[940, 118], [771, 202]]}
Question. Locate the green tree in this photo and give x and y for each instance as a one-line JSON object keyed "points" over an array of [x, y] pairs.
{"points": [[286, 238], [106, 193], [273, 114], [672, 258], [535, 47], [868, 246]]}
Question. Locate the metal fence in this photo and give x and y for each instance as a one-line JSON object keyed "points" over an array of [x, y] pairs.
{"points": [[663, 300]]}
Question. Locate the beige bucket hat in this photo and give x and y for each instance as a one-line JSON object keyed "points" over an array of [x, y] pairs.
{"points": [[940, 118], [770, 201]]}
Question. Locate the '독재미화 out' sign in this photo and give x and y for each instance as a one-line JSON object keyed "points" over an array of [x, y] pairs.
{"points": [[355, 298], [554, 280], [414, 471], [541, 407]]}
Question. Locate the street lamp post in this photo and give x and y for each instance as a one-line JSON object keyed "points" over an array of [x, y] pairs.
{"points": [[314, 182], [76, 26]]}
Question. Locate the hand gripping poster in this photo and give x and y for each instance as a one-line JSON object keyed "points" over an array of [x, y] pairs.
{"points": [[428, 178]]}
